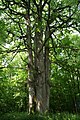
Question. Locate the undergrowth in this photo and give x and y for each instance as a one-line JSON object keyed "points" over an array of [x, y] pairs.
{"points": [[25, 116]]}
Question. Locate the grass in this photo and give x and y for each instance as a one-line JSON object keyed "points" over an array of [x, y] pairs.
{"points": [[25, 116]]}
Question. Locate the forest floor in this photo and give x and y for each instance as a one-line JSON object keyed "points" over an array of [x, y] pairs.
{"points": [[25, 116]]}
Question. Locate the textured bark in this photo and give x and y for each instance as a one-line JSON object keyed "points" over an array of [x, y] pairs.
{"points": [[42, 87], [38, 68], [30, 58], [38, 83]]}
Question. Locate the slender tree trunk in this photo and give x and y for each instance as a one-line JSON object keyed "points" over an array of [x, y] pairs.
{"points": [[30, 58]]}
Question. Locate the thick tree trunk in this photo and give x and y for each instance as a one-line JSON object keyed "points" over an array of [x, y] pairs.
{"points": [[38, 68], [38, 79], [41, 76]]}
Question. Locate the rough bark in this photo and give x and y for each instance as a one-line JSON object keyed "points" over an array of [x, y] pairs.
{"points": [[39, 65], [30, 59]]}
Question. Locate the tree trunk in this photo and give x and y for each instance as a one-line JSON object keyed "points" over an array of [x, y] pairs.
{"points": [[38, 83], [38, 68], [38, 79]]}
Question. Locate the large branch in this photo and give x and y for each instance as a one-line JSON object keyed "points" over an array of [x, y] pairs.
{"points": [[61, 8], [13, 50], [66, 47], [3, 67]]}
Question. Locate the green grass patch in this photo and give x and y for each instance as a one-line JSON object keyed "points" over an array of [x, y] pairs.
{"points": [[25, 116]]}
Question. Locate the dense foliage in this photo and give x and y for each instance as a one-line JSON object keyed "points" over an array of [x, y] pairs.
{"points": [[64, 46]]}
